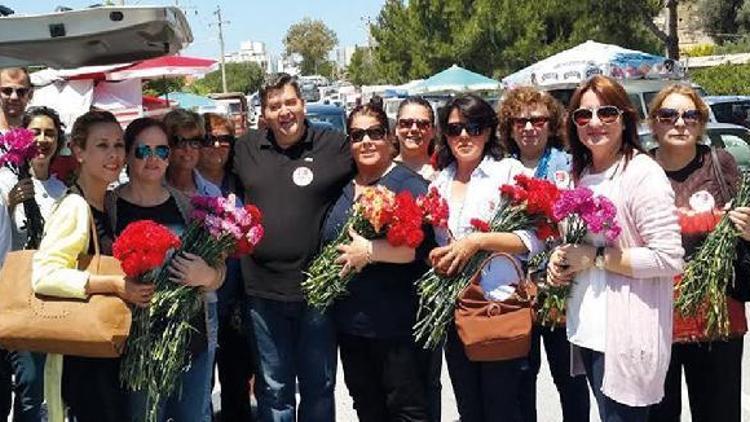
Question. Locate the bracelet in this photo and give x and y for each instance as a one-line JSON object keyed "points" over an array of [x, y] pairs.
{"points": [[368, 254]]}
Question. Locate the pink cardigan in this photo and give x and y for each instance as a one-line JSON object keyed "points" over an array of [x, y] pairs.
{"points": [[639, 308]]}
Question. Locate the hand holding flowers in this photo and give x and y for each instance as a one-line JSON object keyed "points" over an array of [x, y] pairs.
{"points": [[740, 216]]}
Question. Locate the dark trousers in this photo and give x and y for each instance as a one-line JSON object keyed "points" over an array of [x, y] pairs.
{"points": [[294, 342], [430, 366], [713, 373], [236, 364], [485, 391], [28, 368], [6, 384], [91, 390], [573, 391], [609, 410], [383, 378]]}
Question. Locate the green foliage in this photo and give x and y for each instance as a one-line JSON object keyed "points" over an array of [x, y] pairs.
{"points": [[700, 50], [418, 38], [241, 77], [312, 40], [724, 79], [361, 70], [739, 45], [158, 87], [724, 18]]}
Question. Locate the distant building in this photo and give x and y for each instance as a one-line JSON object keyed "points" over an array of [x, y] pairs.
{"points": [[288, 65], [251, 52], [344, 56]]}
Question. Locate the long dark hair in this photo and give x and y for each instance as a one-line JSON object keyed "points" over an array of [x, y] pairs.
{"points": [[474, 109], [420, 101], [34, 112], [137, 126], [374, 108], [610, 93]]}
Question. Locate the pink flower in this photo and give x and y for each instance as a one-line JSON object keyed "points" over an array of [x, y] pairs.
{"points": [[19, 146]]}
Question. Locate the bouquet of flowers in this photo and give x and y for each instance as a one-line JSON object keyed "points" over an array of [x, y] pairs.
{"points": [[580, 212], [158, 354], [434, 208], [527, 204], [18, 147], [702, 288], [377, 213]]}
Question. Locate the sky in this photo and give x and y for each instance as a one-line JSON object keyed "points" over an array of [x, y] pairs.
{"points": [[265, 20]]}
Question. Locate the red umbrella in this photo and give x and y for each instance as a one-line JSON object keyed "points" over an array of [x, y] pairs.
{"points": [[165, 66]]}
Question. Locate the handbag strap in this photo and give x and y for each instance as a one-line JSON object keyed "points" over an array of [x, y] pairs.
{"points": [[719, 175], [509, 257]]}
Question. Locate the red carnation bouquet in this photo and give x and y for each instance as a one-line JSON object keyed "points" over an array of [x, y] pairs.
{"points": [[434, 208], [219, 227], [526, 204], [18, 148], [142, 248], [377, 213]]}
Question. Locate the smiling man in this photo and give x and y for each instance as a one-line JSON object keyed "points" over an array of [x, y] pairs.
{"points": [[15, 94], [292, 171]]}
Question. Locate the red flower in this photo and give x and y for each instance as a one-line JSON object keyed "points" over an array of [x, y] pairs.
{"points": [[143, 246], [546, 231], [406, 223], [434, 208], [64, 168], [480, 225]]}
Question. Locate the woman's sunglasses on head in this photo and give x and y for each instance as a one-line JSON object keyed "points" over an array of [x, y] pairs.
{"points": [[606, 114], [671, 115], [142, 152], [472, 128], [375, 133]]}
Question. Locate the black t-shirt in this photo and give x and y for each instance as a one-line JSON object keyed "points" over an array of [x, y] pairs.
{"points": [[293, 188], [382, 299], [103, 232]]}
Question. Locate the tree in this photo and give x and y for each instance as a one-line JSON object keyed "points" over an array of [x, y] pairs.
{"points": [[361, 70], [241, 77], [312, 40], [724, 79], [720, 18], [161, 86]]}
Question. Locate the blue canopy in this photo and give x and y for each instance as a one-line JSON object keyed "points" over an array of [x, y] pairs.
{"points": [[190, 101], [456, 79]]}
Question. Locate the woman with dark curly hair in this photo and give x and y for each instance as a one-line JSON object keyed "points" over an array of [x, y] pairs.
{"points": [[532, 130], [471, 171]]}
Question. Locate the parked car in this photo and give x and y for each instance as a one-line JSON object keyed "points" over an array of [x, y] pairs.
{"points": [[235, 105], [335, 116], [734, 138], [729, 109]]}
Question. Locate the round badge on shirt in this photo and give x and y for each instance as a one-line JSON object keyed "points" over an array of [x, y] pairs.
{"points": [[702, 201], [302, 176]]}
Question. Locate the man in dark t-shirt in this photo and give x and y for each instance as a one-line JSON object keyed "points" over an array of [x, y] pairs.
{"points": [[293, 172]]}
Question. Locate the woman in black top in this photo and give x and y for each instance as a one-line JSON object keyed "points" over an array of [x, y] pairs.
{"points": [[146, 196], [381, 361]]}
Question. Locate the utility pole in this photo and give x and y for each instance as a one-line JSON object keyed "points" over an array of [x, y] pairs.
{"points": [[221, 45]]}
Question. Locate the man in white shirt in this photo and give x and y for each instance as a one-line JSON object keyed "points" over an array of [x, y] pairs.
{"points": [[15, 94]]}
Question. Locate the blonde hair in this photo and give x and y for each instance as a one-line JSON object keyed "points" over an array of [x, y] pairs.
{"points": [[678, 89]]}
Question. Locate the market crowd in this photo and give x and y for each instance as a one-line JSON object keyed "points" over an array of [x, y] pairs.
{"points": [[620, 339]]}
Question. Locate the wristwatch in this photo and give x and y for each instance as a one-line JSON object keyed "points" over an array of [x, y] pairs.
{"points": [[599, 258]]}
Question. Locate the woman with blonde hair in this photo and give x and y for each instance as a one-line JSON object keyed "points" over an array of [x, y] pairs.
{"points": [[702, 177]]}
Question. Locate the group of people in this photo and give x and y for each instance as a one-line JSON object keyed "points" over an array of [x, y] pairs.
{"points": [[621, 339]]}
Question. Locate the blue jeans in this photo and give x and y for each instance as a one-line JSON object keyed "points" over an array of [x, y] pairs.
{"points": [[294, 341], [609, 410], [191, 401], [28, 368]]}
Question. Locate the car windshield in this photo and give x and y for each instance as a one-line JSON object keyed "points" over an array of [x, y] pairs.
{"points": [[732, 112], [335, 120]]}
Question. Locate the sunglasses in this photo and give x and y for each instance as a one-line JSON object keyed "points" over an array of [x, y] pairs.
{"points": [[670, 115], [375, 133], [606, 114], [20, 92], [194, 143], [220, 141], [536, 121], [422, 124], [472, 128], [142, 152]]}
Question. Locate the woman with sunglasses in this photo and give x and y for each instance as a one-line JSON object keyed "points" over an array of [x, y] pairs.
{"points": [[45, 189], [532, 130], [146, 197], [235, 360], [381, 361], [619, 315], [90, 387], [471, 172], [703, 180], [415, 132]]}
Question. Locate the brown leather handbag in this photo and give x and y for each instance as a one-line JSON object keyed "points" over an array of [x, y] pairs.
{"points": [[95, 327], [495, 330]]}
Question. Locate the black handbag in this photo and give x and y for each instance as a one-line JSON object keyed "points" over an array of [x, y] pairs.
{"points": [[739, 287]]}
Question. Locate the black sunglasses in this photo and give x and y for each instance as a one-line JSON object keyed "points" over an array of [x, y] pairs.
{"points": [[472, 128], [606, 114], [142, 152], [422, 124], [20, 92], [671, 115], [195, 143], [375, 133], [218, 141], [536, 121]]}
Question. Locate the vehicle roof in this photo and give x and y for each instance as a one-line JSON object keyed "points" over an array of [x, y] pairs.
{"points": [[717, 99], [324, 108]]}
